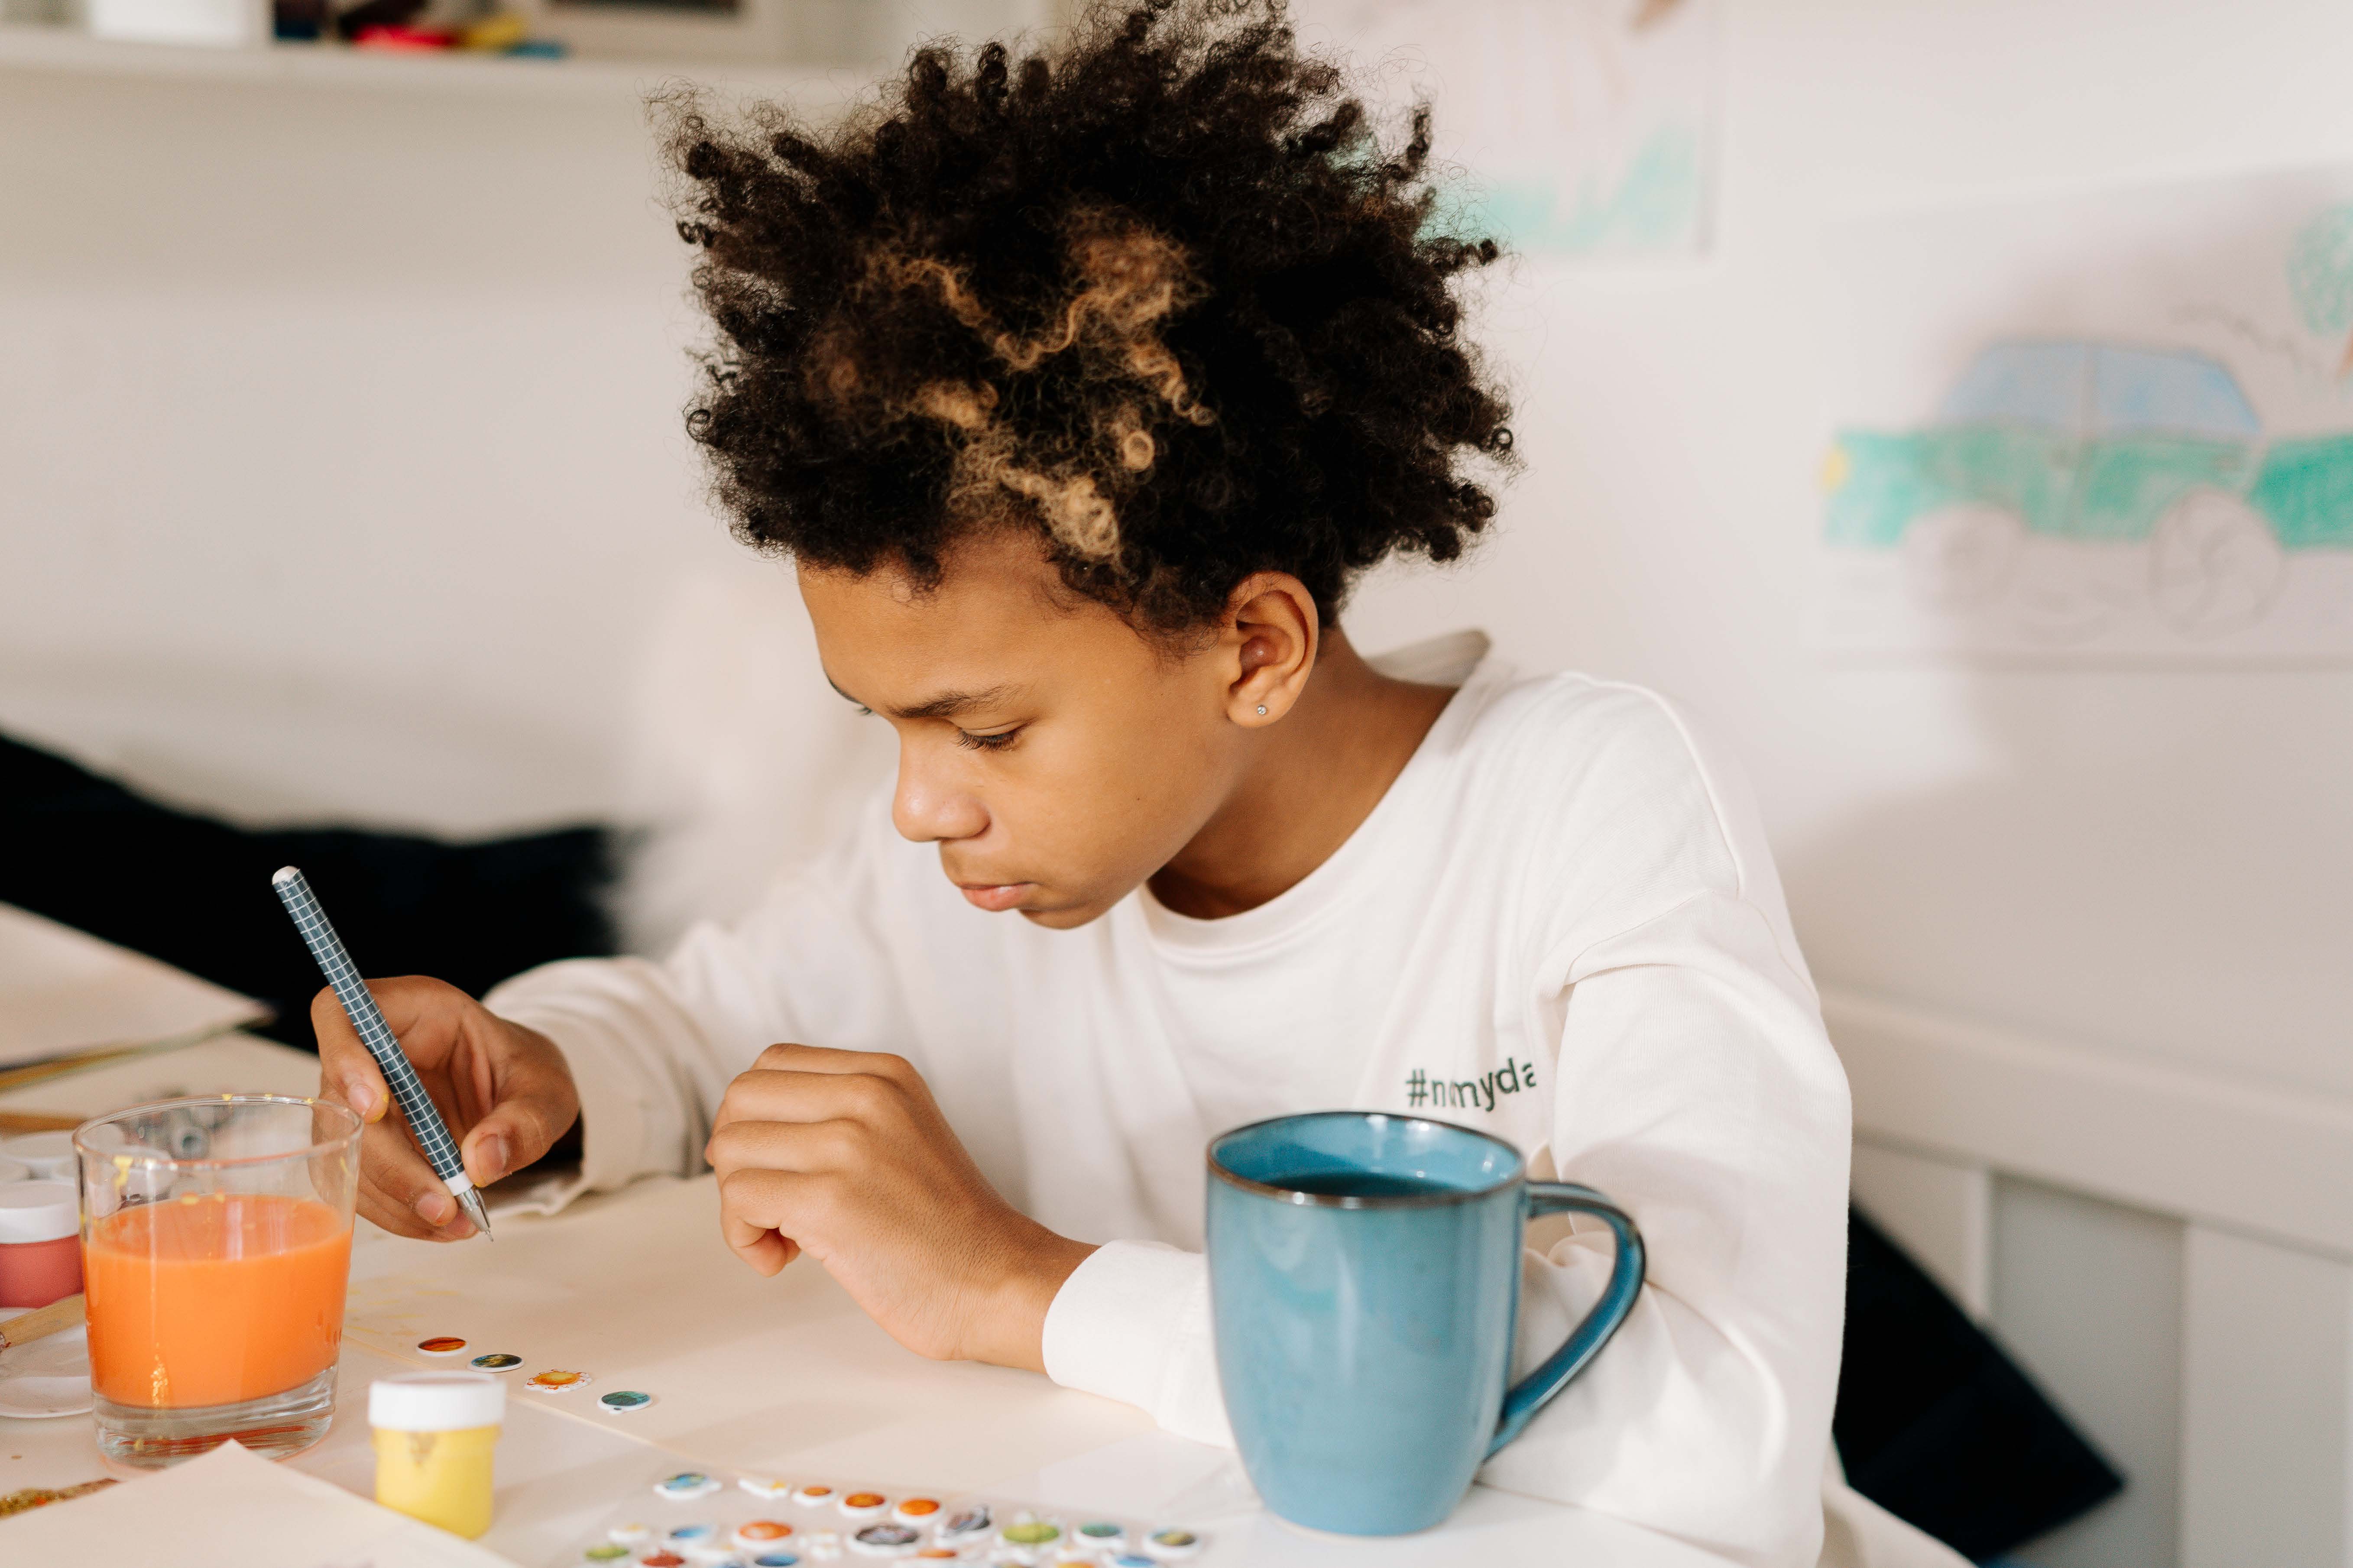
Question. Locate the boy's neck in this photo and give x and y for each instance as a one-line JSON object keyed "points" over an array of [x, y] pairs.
{"points": [[1317, 777]]}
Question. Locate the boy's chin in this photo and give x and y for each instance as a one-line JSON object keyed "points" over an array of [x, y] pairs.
{"points": [[1056, 915]]}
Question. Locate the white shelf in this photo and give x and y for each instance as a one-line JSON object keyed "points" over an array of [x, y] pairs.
{"points": [[35, 47]]}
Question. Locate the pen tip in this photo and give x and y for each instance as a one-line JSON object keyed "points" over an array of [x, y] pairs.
{"points": [[285, 874]]}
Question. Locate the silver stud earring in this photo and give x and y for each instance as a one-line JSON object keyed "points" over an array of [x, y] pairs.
{"points": [[1261, 709]]}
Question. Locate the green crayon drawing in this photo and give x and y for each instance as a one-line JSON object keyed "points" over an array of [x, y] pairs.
{"points": [[1656, 204], [2089, 441], [2094, 443], [2320, 275]]}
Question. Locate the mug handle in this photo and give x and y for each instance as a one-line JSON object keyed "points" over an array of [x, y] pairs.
{"points": [[1532, 1393]]}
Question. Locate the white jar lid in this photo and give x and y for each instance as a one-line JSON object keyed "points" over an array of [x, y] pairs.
{"points": [[10, 1171], [436, 1402], [49, 1155], [38, 1211]]}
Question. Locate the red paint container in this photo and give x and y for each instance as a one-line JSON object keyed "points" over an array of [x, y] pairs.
{"points": [[40, 1243]]}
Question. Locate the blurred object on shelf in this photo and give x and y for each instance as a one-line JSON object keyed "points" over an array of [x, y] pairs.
{"points": [[498, 31], [372, 14], [51, 12], [405, 40], [298, 21], [227, 24]]}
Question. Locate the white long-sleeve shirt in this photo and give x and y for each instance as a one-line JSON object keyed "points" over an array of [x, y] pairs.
{"points": [[1560, 925]]}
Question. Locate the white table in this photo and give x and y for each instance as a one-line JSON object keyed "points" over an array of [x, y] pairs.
{"points": [[782, 1377]]}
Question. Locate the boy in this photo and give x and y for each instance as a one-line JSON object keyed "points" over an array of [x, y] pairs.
{"points": [[1079, 389]]}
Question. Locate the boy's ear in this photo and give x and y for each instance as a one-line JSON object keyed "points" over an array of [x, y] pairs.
{"points": [[1272, 633]]}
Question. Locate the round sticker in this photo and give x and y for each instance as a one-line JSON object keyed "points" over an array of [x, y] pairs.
{"points": [[662, 1559], [970, 1520], [554, 1381], [686, 1484], [763, 1486], [1134, 1560], [760, 1532], [441, 1344], [940, 1554], [774, 1560], [497, 1361], [1169, 1544], [623, 1400], [1102, 1533], [1031, 1533], [884, 1541], [682, 1534], [915, 1508], [629, 1535], [810, 1497], [606, 1552], [825, 1545], [864, 1505]]}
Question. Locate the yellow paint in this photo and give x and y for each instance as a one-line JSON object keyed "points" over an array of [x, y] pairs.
{"points": [[1836, 466], [441, 1477]]}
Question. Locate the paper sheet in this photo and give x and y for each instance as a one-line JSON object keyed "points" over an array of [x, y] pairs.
{"points": [[783, 1375], [232, 1509], [1580, 128], [62, 990], [2105, 428]]}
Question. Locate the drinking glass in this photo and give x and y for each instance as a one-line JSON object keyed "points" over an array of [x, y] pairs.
{"points": [[217, 1241]]}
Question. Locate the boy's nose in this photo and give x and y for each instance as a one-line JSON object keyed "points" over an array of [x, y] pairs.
{"points": [[927, 809]]}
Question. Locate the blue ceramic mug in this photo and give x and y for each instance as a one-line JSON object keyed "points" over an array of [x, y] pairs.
{"points": [[1365, 1286]]}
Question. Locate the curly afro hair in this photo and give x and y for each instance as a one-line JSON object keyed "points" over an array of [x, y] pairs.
{"points": [[1158, 294]]}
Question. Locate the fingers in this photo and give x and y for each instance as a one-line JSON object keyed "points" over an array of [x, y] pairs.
{"points": [[533, 1103], [758, 1208], [803, 1147], [769, 1094], [399, 1191], [347, 1074], [896, 1070]]}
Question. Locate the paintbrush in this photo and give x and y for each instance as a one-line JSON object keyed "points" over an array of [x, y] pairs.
{"points": [[54, 1318]]}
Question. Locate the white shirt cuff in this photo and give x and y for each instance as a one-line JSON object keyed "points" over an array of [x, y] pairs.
{"points": [[1132, 1323]]}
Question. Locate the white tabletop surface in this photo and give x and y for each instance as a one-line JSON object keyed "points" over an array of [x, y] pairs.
{"points": [[562, 1469]]}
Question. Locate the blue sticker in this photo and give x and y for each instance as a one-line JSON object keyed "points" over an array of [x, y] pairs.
{"points": [[774, 1560], [690, 1533], [625, 1399]]}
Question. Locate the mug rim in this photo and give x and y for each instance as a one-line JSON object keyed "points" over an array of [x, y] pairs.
{"points": [[1436, 1197], [327, 1145]]}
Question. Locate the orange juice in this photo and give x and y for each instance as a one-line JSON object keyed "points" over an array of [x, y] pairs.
{"points": [[213, 1300]]}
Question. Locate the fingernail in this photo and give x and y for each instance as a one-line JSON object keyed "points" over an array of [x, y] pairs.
{"points": [[435, 1208], [360, 1095], [493, 1157]]}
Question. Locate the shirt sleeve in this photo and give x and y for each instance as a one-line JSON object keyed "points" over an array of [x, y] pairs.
{"points": [[1696, 1087], [653, 1046]]}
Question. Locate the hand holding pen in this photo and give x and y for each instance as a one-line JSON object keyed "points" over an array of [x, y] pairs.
{"points": [[502, 1092]]}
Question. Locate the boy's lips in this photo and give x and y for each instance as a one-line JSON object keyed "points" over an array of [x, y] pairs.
{"points": [[994, 895]]}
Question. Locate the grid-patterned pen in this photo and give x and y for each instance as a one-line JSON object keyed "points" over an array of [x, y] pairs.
{"points": [[424, 1122]]}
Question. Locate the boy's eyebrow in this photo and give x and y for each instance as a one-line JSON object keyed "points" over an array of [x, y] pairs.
{"points": [[946, 705]]}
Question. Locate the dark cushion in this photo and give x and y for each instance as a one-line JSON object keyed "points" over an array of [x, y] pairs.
{"points": [[195, 891], [1937, 1426]]}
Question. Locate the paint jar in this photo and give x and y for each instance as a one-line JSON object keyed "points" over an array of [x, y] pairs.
{"points": [[435, 1432], [40, 1243], [49, 1155]]}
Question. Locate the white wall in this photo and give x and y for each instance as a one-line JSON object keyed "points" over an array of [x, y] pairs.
{"points": [[340, 474], [2154, 863]]}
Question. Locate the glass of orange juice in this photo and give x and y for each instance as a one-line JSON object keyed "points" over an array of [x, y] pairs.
{"points": [[217, 1240]]}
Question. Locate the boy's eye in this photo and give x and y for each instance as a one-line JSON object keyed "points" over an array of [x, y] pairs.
{"points": [[993, 743]]}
